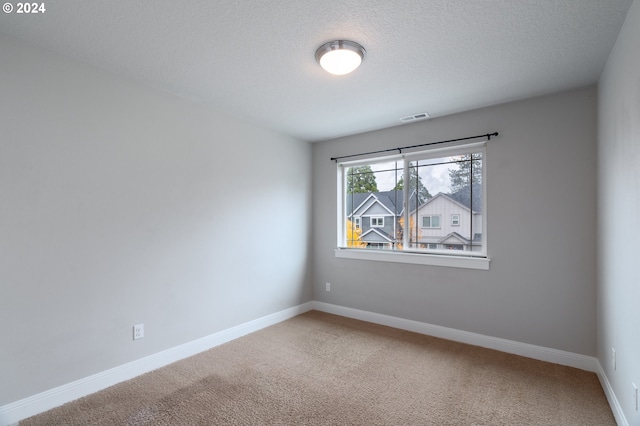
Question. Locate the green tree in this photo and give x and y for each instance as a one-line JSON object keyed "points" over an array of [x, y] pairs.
{"points": [[415, 182], [361, 179], [461, 177]]}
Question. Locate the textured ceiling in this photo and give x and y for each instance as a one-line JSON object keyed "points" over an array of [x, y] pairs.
{"points": [[255, 59]]}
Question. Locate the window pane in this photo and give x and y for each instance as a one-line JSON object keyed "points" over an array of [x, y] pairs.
{"points": [[374, 192], [447, 187]]}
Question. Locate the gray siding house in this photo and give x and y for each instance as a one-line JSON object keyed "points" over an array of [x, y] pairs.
{"points": [[442, 222]]}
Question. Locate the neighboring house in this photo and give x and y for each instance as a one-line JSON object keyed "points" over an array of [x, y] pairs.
{"points": [[376, 214], [443, 222]]}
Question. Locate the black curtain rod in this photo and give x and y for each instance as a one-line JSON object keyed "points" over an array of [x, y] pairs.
{"points": [[488, 136]]}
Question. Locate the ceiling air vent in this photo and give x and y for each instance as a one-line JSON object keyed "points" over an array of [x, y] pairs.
{"points": [[414, 117]]}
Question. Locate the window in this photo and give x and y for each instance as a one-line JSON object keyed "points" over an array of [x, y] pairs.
{"points": [[406, 214], [377, 222], [377, 246], [431, 221]]}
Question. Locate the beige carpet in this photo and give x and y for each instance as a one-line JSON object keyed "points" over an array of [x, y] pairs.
{"points": [[328, 370]]}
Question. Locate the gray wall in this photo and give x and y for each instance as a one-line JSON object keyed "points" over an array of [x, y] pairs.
{"points": [[541, 287], [122, 204], [619, 214]]}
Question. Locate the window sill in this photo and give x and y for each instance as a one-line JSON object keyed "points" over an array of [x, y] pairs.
{"points": [[415, 258]]}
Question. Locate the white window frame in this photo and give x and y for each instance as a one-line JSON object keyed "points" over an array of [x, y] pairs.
{"points": [[357, 222], [463, 259], [431, 216], [376, 218], [455, 219]]}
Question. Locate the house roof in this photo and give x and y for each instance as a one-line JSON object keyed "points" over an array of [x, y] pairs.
{"points": [[458, 198], [463, 197], [454, 238], [392, 200], [375, 235]]}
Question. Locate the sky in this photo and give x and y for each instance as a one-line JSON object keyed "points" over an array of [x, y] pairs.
{"points": [[434, 178]]}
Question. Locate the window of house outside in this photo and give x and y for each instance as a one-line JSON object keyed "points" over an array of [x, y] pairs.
{"points": [[411, 218], [431, 221], [377, 222]]}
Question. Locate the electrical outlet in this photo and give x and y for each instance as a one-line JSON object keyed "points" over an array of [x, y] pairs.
{"points": [[613, 359], [138, 331], [328, 286], [635, 395]]}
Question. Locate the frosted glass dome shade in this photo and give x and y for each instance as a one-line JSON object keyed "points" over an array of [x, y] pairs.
{"points": [[340, 57]]}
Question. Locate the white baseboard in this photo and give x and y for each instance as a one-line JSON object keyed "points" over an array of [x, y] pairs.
{"points": [[541, 353], [621, 420], [16, 411]]}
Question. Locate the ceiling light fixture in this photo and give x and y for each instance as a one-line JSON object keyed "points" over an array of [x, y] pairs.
{"points": [[340, 57]]}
